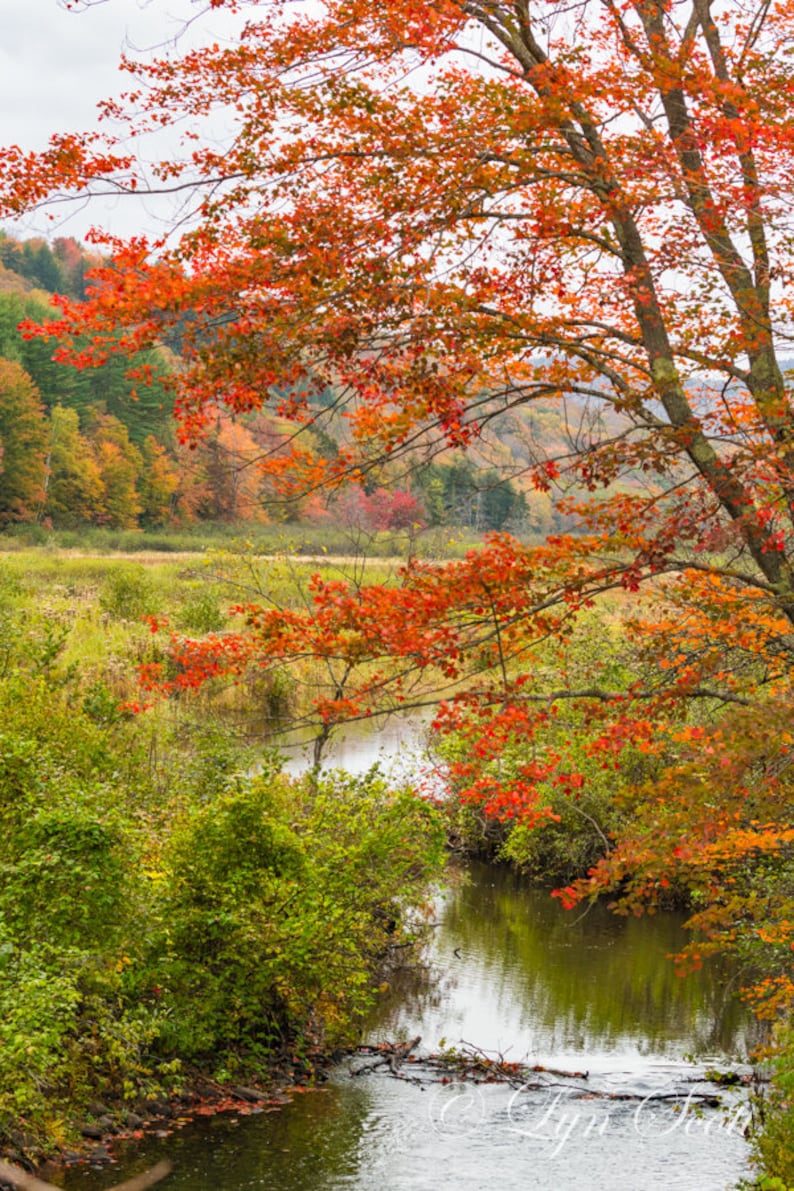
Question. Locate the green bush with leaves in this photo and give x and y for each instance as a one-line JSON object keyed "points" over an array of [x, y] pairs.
{"points": [[39, 1005], [158, 907], [773, 1143], [228, 869], [128, 594], [64, 877], [374, 851], [200, 611], [275, 900]]}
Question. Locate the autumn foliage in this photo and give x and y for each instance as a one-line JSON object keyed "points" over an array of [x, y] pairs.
{"points": [[448, 212]]}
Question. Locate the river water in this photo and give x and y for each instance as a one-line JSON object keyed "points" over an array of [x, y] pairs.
{"points": [[397, 744], [512, 973]]}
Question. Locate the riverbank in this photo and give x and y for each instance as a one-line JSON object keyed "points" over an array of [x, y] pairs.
{"points": [[594, 996], [109, 1127], [163, 912]]}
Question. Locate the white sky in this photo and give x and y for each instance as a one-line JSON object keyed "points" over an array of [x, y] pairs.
{"points": [[55, 66]]}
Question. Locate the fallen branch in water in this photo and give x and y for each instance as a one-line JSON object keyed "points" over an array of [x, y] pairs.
{"points": [[389, 1054], [497, 1069], [471, 1064], [20, 1179]]}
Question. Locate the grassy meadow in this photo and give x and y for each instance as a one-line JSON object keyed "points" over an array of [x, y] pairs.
{"points": [[79, 617]]}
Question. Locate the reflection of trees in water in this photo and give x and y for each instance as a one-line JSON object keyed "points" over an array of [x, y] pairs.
{"points": [[594, 982], [586, 981], [425, 982], [412, 993]]}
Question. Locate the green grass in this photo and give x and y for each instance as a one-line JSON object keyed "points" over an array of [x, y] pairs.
{"points": [[264, 539], [80, 619]]}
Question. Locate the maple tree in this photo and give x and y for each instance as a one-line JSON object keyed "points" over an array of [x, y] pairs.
{"points": [[451, 210], [73, 484]]}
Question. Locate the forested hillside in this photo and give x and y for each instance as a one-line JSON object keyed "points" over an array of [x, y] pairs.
{"points": [[91, 446]]}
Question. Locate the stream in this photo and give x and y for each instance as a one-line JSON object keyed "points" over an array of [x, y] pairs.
{"points": [[513, 974]]}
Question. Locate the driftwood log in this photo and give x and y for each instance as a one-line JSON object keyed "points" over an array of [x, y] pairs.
{"points": [[20, 1178]]}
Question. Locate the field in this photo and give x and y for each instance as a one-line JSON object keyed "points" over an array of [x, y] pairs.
{"points": [[80, 617]]}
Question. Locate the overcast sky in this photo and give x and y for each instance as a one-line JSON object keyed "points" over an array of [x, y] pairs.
{"points": [[55, 65]]}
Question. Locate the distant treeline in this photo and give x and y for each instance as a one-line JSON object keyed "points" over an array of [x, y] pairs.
{"points": [[91, 446]]}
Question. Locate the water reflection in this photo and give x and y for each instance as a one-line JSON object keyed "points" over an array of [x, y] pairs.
{"points": [[396, 743], [510, 972], [547, 982]]}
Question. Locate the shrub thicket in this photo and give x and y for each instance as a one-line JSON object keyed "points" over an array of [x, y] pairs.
{"points": [[155, 915]]}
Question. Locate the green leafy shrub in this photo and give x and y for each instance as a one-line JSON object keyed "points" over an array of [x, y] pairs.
{"points": [[231, 865], [64, 878], [774, 1142], [200, 612], [44, 740], [374, 851], [39, 1001], [278, 900], [564, 848], [128, 593], [102, 707], [67, 1037]]}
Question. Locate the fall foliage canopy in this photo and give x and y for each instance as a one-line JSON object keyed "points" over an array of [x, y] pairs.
{"points": [[447, 212]]}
